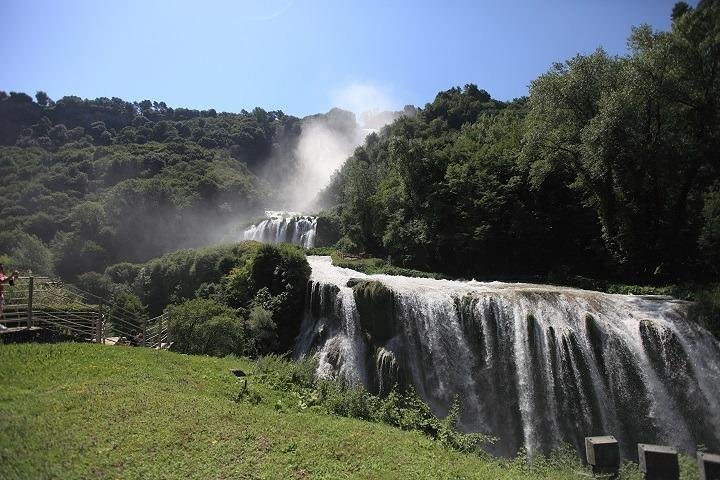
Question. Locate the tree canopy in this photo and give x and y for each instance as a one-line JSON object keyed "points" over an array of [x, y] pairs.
{"points": [[608, 168]]}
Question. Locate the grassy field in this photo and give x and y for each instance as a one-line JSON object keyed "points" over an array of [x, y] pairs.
{"points": [[87, 411]]}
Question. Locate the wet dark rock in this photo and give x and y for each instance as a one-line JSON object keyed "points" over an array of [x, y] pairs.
{"points": [[376, 307]]}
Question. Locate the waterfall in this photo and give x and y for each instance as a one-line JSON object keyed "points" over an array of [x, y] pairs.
{"points": [[533, 365], [284, 227]]}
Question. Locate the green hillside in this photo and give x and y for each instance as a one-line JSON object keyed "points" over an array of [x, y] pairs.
{"points": [[83, 411]]}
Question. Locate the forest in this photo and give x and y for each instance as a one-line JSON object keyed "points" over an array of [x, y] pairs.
{"points": [[90, 183], [608, 169]]}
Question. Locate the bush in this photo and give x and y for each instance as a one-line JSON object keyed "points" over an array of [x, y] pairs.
{"points": [[373, 265], [340, 399], [177, 276], [274, 278], [263, 283], [287, 376], [400, 408], [262, 331], [206, 327], [98, 285], [28, 252], [120, 304], [123, 272]]}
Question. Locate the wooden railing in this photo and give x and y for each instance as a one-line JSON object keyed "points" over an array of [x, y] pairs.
{"points": [[36, 303]]}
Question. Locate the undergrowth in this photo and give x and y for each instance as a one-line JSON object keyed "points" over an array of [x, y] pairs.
{"points": [[401, 408]]}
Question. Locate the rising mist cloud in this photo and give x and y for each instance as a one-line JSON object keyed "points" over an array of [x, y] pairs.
{"points": [[321, 151], [327, 140], [361, 98]]}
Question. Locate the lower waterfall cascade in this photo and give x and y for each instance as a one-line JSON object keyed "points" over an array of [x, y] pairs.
{"points": [[284, 227], [533, 365]]}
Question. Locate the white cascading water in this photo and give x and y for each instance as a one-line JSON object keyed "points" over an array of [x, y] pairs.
{"points": [[284, 227], [533, 365]]}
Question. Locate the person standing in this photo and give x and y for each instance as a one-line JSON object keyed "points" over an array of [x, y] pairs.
{"points": [[5, 279]]}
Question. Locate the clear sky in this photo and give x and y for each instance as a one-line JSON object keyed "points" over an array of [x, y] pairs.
{"points": [[301, 56]]}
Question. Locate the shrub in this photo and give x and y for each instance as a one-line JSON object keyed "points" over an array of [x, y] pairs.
{"points": [[274, 278], [262, 331], [287, 376], [178, 276], [206, 327], [28, 252], [124, 272], [346, 401]]}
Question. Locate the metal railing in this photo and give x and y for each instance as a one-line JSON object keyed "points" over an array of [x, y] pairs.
{"points": [[156, 332], [41, 303]]}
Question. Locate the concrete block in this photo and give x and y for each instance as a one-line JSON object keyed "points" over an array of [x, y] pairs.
{"points": [[602, 451], [709, 466], [658, 462]]}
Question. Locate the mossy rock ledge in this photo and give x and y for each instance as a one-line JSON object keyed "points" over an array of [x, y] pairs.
{"points": [[376, 307]]}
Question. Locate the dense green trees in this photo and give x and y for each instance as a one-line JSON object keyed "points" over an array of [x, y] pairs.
{"points": [[458, 199], [608, 168], [639, 135], [252, 292], [109, 184], [165, 178], [159, 178]]}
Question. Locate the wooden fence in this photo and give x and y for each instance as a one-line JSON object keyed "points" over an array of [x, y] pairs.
{"points": [[39, 303]]}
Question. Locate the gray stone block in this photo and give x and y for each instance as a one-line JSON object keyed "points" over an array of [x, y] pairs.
{"points": [[709, 466], [602, 451], [658, 462]]}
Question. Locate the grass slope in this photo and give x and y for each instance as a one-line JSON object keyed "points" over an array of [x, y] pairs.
{"points": [[79, 411], [87, 411]]}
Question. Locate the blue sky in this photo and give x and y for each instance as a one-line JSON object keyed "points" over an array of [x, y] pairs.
{"points": [[302, 56]]}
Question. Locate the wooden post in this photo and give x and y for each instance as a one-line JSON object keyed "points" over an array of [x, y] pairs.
{"points": [[31, 286], [144, 330], [99, 326]]}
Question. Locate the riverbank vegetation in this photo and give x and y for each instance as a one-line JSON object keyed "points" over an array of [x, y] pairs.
{"points": [[245, 298]]}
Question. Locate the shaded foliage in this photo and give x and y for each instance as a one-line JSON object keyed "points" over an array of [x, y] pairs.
{"points": [[263, 286]]}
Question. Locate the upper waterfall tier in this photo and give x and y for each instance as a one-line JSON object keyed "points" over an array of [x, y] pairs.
{"points": [[534, 365], [284, 227]]}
